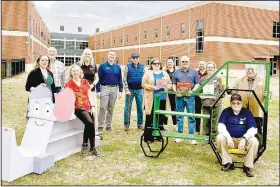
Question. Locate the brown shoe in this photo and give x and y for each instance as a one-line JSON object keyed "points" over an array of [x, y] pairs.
{"points": [[140, 127], [126, 128]]}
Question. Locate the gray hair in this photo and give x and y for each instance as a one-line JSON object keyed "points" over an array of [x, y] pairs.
{"points": [[253, 66], [211, 62], [82, 61]]}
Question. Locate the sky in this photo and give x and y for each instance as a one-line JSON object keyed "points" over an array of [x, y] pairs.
{"points": [[109, 14]]}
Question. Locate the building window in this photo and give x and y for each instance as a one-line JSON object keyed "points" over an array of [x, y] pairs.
{"points": [[70, 45], [117, 60], [99, 43], [77, 59], [109, 42], [80, 29], [42, 34], [156, 34], [182, 28], [60, 58], [33, 26], [175, 60], [145, 35], [120, 40], [126, 38], [82, 45], [102, 43], [199, 35], [168, 31], [135, 37], [148, 61], [57, 44], [276, 29], [36, 29], [61, 28], [114, 40], [69, 61]]}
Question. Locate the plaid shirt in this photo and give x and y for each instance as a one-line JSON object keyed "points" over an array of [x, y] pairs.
{"points": [[58, 69]]}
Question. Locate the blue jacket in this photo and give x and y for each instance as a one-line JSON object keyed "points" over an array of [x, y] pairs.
{"points": [[135, 75], [237, 125]]}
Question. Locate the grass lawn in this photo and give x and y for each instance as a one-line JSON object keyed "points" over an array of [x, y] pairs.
{"points": [[122, 161]]}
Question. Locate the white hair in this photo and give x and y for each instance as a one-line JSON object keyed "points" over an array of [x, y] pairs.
{"points": [[82, 61], [52, 49], [211, 62], [253, 66]]}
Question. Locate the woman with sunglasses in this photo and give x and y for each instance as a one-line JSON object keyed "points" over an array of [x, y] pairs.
{"points": [[208, 101], [151, 86]]}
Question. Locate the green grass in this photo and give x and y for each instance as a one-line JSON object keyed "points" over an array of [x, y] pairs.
{"points": [[122, 161]]}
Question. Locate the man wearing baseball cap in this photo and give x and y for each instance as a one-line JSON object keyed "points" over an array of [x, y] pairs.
{"points": [[237, 129], [132, 80]]}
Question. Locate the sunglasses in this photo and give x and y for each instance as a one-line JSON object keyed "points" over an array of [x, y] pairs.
{"points": [[236, 103], [156, 64], [135, 57]]}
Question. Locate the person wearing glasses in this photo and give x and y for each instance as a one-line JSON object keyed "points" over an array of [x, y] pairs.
{"points": [[202, 73], [132, 81], [186, 80], [207, 101], [237, 129], [251, 81], [154, 81], [108, 88], [170, 69]]}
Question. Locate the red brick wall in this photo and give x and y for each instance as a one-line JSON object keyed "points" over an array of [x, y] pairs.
{"points": [[117, 34], [14, 47], [150, 26], [129, 31]]}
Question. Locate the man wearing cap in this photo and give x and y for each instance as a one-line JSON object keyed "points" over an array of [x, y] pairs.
{"points": [[237, 129], [109, 87], [57, 68], [132, 80], [189, 77], [252, 82]]}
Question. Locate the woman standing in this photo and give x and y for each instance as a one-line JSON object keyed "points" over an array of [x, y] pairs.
{"points": [[41, 75], [149, 83], [170, 68], [84, 106], [90, 74], [208, 101]]}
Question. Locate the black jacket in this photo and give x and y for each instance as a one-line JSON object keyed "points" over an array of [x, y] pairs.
{"points": [[35, 78]]}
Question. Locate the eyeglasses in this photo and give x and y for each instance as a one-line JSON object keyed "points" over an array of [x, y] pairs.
{"points": [[156, 64], [236, 103], [135, 57], [185, 62]]}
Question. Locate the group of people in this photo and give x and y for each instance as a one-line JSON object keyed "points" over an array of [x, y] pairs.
{"points": [[106, 82]]}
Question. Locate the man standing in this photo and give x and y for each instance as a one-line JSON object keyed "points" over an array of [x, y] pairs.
{"points": [[186, 80], [109, 87], [57, 68], [201, 72], [132, 80], [237, 129], [252, 82]]}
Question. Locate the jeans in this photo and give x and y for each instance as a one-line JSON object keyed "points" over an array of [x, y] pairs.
{"points": [[138, 94], [189, 103]]}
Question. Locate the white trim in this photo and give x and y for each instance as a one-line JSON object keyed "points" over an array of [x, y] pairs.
{"points": [[197, 4], [22, 33], [193, 40]]}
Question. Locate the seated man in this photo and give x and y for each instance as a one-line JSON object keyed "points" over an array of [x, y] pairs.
{"points": [[237, 129]]}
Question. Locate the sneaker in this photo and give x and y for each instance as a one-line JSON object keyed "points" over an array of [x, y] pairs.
{"points": [[126, 128], [248, 171], [178, 140], [140, 127], [109, 129], [84, 149], [227, 167], [193, 142], [94, 151]]}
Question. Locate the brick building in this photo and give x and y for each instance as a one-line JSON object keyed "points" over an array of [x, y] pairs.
{"points": [[217, 31], [25, 36]]}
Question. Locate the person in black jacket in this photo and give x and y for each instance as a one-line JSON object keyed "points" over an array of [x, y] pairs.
{"points": [[41, 75]]}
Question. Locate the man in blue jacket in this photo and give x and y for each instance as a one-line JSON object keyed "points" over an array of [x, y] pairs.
{"points": [[108, 88], [132, 80], [237, 129]]}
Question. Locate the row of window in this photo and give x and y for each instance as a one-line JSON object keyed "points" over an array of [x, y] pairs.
{"points": [[35, 28], [199, 35], [58, 44], [276, 30], [80, 29], [68, 61]]}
